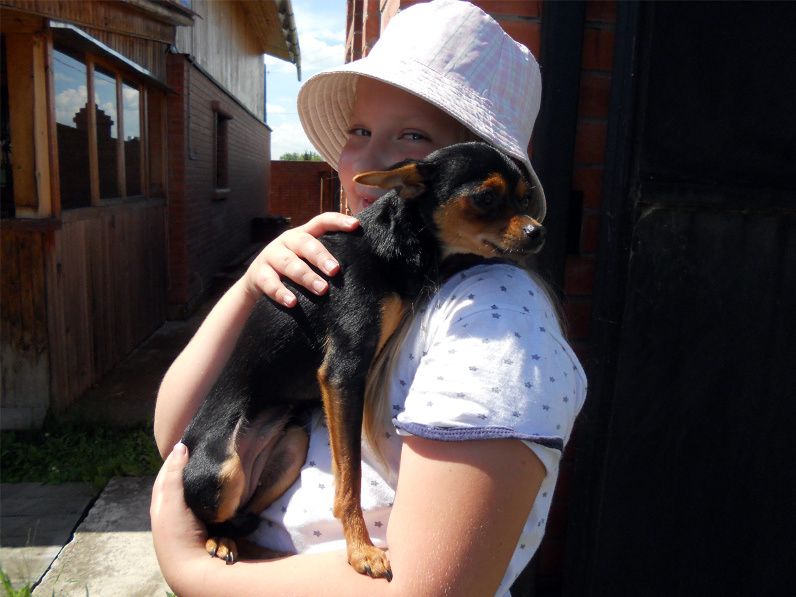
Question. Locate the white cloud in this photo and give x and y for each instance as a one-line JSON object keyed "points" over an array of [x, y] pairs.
{"points": [[289, 138], [321, 31], [68, 103]]}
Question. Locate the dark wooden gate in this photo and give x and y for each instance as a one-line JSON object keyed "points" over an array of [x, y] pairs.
{"points": [[686, 472]]}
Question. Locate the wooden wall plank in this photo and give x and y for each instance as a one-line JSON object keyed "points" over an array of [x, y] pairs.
{"points": [[19, 57], [56, 318]]}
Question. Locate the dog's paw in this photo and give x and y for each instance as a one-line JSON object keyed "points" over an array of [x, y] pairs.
{"points": [[370, 560], [223, 548]]}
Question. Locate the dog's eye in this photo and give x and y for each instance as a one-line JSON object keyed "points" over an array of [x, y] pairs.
{"points": [[484, 200], [523, 203]]}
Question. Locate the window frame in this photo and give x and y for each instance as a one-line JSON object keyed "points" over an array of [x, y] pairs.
{"points": [[121, 76], [221, 151]]}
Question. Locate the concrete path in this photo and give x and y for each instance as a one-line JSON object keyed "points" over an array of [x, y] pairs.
{"points": [[110, 553], [36, 521]]}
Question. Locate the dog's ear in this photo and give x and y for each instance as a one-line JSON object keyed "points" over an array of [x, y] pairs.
{"points": [[407, 180]]}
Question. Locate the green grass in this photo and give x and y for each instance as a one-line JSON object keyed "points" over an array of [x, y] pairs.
{"points": [[65, 450], [9, 591]]}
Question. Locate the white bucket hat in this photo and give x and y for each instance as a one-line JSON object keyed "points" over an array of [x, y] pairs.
{"points": [[452, 55]]}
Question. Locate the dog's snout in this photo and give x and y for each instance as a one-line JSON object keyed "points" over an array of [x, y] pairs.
{"points": [[534, 232]]}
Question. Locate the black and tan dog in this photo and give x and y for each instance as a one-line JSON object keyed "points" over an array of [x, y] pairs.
{"points": [[459, 206]]}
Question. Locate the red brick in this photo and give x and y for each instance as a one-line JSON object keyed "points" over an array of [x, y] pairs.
{"points": [[590, 140], [527, 33], [577, 314], [601, 11], [588, 180], [595, 95], [519, 8], [590, 232], [598, 49], [579, 276]]}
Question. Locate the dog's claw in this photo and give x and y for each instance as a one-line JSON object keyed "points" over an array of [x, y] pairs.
{"points": [[222, 548], [372, 561]]}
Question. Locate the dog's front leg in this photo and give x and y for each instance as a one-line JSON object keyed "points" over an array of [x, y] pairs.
{"points": [[343, 401]]}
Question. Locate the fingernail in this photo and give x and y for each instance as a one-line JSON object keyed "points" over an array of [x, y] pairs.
{"points": [[180, 449], [329, 265], [319, 286], [351, 221], [288, 300]]}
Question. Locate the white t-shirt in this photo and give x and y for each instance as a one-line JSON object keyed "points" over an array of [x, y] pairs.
{"points": [[485, 359]]}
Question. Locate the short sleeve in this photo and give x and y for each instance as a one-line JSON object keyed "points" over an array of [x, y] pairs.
{"points": [[493, 364]]}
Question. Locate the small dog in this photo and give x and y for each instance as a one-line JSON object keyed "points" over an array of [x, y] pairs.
{"points": [[461, 205]]}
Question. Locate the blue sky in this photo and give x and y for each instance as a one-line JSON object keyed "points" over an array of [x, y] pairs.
{"points": [[321, 32]]}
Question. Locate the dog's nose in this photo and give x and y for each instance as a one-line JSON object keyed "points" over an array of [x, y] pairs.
{"points": [[534, 232]]}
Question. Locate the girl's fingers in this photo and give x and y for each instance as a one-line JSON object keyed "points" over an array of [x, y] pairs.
{"points": [[291, 254], [329, 222]]}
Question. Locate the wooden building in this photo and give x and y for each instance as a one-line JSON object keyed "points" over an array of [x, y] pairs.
{"points": [[666, 144], [117, 212]]}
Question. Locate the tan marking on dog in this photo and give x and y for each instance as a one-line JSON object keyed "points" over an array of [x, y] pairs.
{"points": [[495, 182], [521, 188], [462, 229], [393, 310], [233, 484]]}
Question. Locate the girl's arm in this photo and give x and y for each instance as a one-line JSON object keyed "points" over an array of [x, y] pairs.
{"points": [[194, 372], [458, 513]]}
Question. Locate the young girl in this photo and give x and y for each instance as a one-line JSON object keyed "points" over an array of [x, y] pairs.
{"points": [[481, 389]]}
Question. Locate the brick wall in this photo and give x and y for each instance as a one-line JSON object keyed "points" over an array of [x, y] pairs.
{"points": [[207, 229], [301, 190]]}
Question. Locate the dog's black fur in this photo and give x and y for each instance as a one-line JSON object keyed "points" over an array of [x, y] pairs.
{"points": [[461, 205]]}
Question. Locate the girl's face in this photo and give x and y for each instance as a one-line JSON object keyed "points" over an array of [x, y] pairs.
{"points": [[387, 126]]}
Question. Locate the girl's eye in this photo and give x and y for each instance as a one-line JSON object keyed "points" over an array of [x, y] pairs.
{"points": [[414, 136], [359, 131]]}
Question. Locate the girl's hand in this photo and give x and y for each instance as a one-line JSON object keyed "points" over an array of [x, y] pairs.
{"points": [[286, 255], [179, 536]]}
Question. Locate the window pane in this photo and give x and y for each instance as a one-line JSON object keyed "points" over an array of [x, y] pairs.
{"points": [[107, 131], [131, 101], [71, 117]]}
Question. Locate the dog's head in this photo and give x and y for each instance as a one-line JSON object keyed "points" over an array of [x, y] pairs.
{"points": [[477, 198]]}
